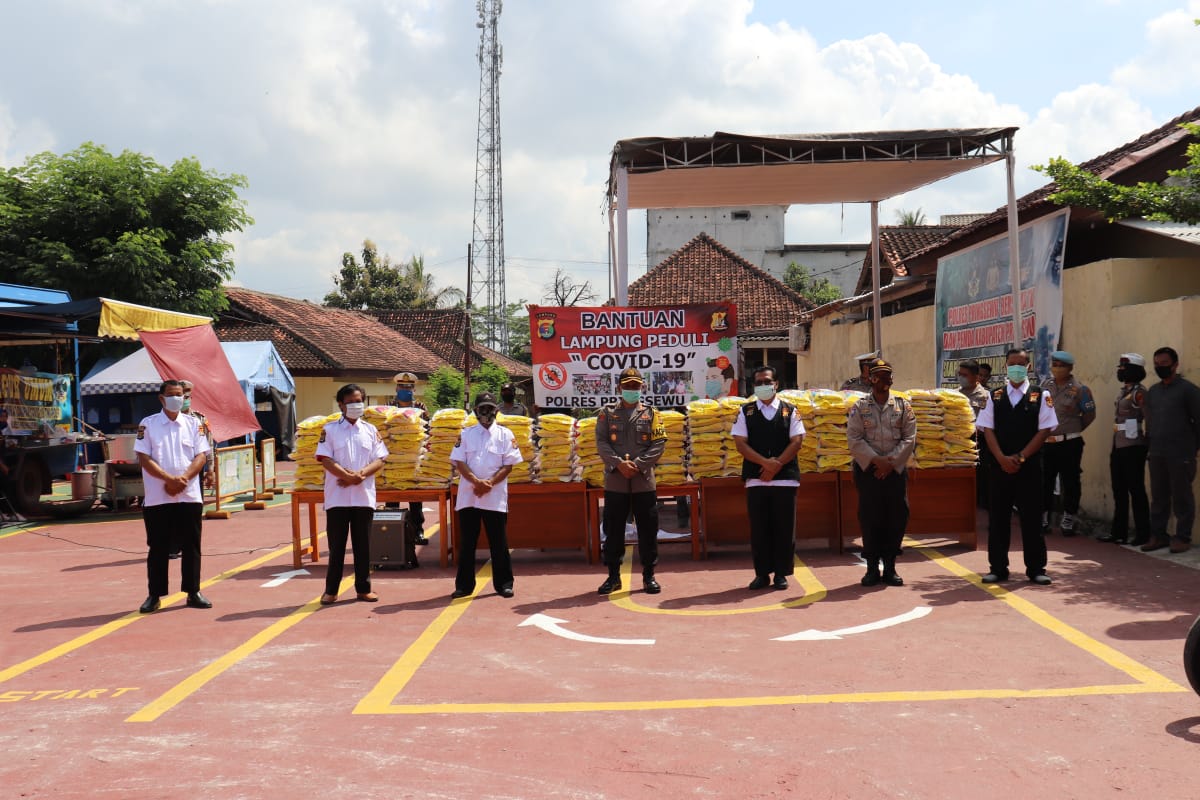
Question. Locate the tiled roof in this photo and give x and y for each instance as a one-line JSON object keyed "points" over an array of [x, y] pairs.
{"points": [[340, 340], [293, 352], [1108, 166], [704, 271], [896, 243], [441, 330]]}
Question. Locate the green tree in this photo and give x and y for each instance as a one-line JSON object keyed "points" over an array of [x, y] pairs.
{"points": [[445, 389], [377, 283], [516, 319], [800, 279], [372, 283], [423, 287], [489, 377], [121, 226], [1177, 199], [910, 219]]}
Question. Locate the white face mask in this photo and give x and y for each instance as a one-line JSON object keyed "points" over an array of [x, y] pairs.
{"points": [[355, 410], [173, 403], [764, 393]]}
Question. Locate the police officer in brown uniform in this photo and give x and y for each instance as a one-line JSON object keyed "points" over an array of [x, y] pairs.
{"points": [[630, 438], [1127, 461], [861, 382], [881, 433], [970, 384], [1063, 453]]}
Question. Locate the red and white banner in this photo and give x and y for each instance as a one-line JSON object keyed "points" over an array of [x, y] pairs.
{"points": [[683, 353]]}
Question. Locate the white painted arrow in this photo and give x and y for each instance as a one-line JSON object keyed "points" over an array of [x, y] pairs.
{"points": [[554, 625], [283, 577], [816, 635]]}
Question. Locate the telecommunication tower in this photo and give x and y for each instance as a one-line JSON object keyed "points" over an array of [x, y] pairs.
{"points": [[487, 242]]}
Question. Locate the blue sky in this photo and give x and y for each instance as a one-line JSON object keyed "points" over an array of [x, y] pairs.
{"points": [[356, 119]]}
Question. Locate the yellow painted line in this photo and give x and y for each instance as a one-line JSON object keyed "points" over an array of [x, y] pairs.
{"points": [[130, 618], [814, 590], [1114, 658], [22, 530], [379, 699], [194, 682], [769, 700]]}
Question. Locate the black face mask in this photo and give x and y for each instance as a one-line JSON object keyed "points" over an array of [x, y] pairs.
{"points": [[1163, 372], [508, 398], [486, 417], [1122, 375]]}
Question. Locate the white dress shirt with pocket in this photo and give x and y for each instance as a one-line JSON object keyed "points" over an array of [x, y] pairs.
{"points": [[484, 451]]}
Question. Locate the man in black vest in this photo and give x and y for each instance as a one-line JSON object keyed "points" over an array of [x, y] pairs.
{"points": [[768, 434], [1015, 422]]}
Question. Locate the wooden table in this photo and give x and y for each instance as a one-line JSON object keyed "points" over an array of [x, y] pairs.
{"points": [[818, 510], [688, 490], [940, 501], [540, 515], [313, 498]]}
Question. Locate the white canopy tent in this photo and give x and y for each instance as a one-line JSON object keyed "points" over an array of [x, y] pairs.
{"points": [[728, 169]]}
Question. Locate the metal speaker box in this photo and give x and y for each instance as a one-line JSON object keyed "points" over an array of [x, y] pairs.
{"points": [[387, 540]]}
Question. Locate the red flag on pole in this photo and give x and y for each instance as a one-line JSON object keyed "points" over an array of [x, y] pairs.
{"points": [[195, 354]]}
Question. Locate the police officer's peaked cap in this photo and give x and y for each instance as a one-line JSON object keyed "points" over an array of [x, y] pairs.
{"points": [[485, 399], [1134, 358], [879, 367], [629, 375], [1063, 356], [508, 386], [404, 377], [864, 358]]}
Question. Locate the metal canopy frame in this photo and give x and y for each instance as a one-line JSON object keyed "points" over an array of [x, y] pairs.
{"points": [[728, 169]]}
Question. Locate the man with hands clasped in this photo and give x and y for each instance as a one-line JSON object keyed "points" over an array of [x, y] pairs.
{"points": [[1015, 423], [351, 452]]}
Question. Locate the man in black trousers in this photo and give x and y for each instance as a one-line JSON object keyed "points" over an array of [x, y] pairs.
{"points": [[1015, 423]]}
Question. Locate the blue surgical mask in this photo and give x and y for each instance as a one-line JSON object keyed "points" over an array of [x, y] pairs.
{"points": [[712, 388], [187, 404], [631, 396], [764, 393], [1017, 373]]}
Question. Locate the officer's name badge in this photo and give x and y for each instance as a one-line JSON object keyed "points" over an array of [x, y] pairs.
{"points": [[750, 409]]}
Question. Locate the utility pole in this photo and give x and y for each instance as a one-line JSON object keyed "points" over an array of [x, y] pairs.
{"points": [[488, 233]]}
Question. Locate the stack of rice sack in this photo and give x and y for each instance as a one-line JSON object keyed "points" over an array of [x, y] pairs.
{"points": [[706, 439], [671, 469], [310, 475], [959, 423], [590, 463], [434, 468], [405, 432], [802, 400], [557, 457], [730, 407], [522, 430], [930, 452], [830, 413]]}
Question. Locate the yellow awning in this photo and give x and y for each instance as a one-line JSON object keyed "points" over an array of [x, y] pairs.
{"points": [[123, 320]]}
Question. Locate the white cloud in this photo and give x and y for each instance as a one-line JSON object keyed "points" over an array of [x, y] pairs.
{"points": [[1169, 64]]}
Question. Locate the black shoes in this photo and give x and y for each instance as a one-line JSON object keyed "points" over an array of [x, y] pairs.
{"points": [[995, 577], [505, 591], [197, 600], [759, 582], [780, 582], [457, 593], [1040, 580], [649, 584], [892, 579], [872, 578], [1111, 537], [150, 605], [610, 585]]}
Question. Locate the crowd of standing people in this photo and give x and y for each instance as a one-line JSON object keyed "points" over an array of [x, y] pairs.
{"points": [[1031, 451]]}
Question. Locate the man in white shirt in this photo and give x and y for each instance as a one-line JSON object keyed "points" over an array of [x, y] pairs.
{"points": [[484, 456], [172, 451], [768, 433], [351, 452], [1015, 423]]}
